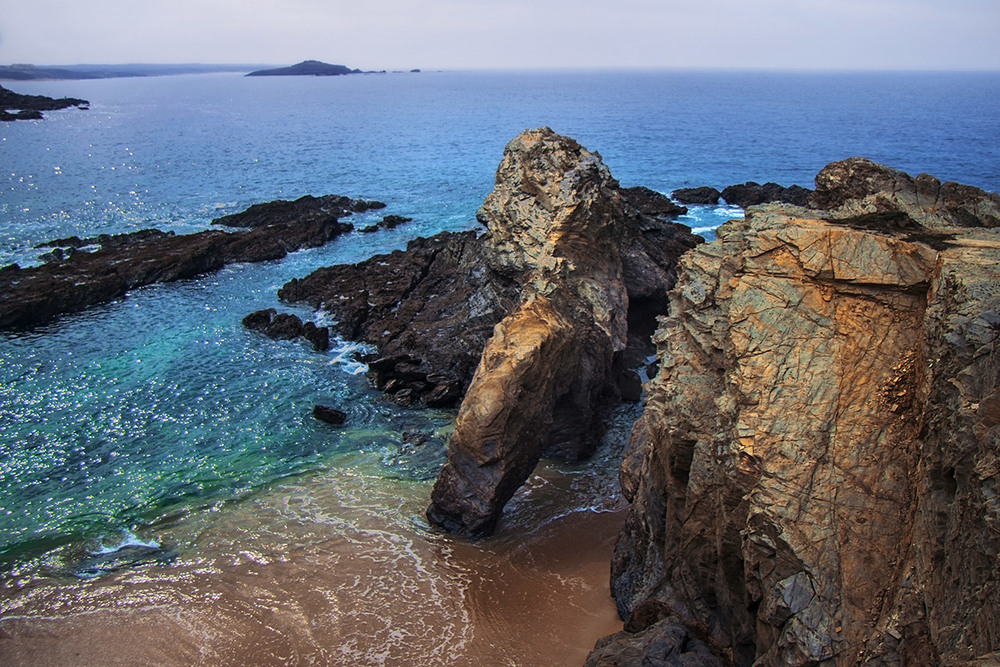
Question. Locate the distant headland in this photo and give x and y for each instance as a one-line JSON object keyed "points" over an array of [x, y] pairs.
{"points": [[14, 106]]}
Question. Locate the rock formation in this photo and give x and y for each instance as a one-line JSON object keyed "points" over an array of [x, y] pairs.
{"points": [[431, 308], [530, 321], [76, 280], [555, 224], [815, 476]]}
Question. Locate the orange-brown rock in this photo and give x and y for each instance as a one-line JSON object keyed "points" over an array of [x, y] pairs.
{"points": [[815, 476], [555, 224]]}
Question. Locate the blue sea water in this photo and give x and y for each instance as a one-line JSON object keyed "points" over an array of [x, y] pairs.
{"points": [[160, 403]]}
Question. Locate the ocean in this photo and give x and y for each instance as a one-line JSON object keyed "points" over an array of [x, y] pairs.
{"points": [[159, 469]]}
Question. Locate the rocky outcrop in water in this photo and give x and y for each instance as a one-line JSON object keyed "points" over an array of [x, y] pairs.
{"points": [[286, 326], [303, 209], [815, 475], [14, 106], [431, 308], [532, 322], [74, 281], [704, 195]]}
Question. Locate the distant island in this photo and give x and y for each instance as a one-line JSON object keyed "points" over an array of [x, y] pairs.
{"points": [[14, 106], [315, 68]]}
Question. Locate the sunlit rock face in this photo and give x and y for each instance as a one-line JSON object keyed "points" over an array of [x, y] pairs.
{"points": [[815, 476]]}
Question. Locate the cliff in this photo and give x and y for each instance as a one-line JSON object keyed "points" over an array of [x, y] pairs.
{"points": [[815, 476]]}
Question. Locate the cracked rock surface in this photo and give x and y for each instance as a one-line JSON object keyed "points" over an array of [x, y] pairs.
{"points": [[815, 476]]}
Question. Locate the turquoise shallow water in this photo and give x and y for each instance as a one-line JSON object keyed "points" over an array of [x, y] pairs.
{"points": [[160, 404]]}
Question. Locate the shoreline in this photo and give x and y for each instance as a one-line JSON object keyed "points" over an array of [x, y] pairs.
{"points": [[316, 570]]}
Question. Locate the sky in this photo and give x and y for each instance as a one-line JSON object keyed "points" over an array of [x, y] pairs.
{"points": [[510, 34]]}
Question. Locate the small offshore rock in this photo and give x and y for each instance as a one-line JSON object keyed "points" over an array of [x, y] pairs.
{"points": [[329, 415], [705, 196], [392, 221], [651, 202], [284, 326], [754, 194], [259, 320]]}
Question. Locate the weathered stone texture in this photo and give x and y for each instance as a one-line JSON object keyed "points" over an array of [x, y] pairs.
{"points": [[815, 475]]}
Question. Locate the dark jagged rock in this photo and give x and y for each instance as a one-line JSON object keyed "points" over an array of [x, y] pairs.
{"points": [[329, 415], [307, 68], [429, 310], [37, 295], [388, 222], [319, 337], [303, 209], [857, 187], [754, 194], [393, 221], [814, 476], [14, 106], [106, 240], [704, 195], [284, 326], [651, 202], [259, 320]]}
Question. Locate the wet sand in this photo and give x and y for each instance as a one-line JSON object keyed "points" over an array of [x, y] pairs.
{"points": [[339, 569]]}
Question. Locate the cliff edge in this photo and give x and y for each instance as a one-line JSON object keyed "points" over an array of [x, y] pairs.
{"points": [[816, 475]]}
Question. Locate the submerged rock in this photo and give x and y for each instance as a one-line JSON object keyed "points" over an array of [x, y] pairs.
{"points": [[814, 477], [329, 415]]}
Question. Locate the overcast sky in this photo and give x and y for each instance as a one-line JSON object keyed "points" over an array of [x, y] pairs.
{"points": [[475, 34]]}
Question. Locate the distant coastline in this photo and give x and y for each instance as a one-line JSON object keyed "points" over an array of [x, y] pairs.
{"points": [[26, 72]]}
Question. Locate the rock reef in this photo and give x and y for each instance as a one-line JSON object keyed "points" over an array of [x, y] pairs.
{"points": [[815, 475], [74, 280]]}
